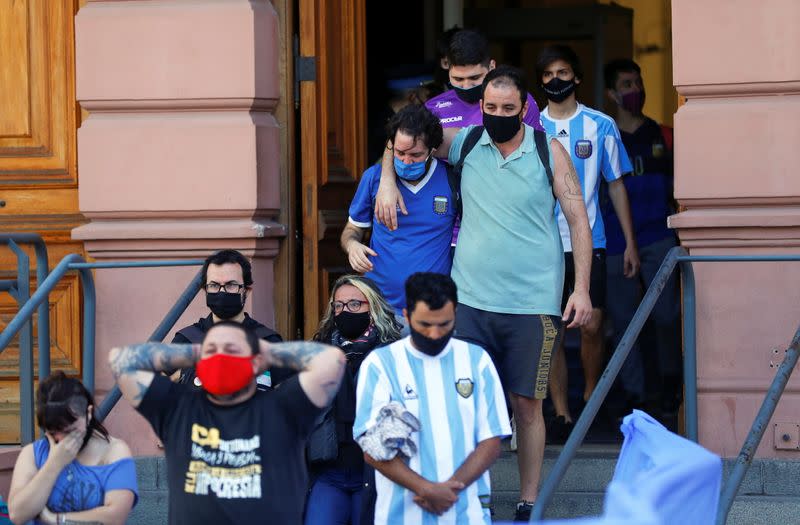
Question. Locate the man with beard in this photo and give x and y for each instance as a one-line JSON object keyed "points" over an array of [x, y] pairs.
{"points": [[234, 454], [227, 280], [451, 387]]}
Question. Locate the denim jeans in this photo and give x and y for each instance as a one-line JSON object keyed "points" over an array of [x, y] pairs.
{"points": [[335, 498], [622, 300]]}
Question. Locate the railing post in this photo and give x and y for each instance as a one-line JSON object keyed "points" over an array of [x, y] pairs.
{"points": [[689, 349], [43, 313], [25, 348], [89, 328]]}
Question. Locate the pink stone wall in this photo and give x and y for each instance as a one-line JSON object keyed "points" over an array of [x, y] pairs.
{"points": [[179, 156], [736, 137]]}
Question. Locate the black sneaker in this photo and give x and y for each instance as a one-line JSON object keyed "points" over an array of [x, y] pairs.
{"points": [[523, 512], [559, 430]]}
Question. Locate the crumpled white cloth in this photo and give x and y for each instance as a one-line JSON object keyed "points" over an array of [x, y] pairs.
{"points": [[391, 433]]}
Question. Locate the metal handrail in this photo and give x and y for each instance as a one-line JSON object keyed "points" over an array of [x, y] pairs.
{"points": [[42, 269], [74, 262], [19, 289], [675, 256]]}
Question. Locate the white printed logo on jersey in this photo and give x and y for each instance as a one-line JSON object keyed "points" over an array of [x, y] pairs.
{"points": [[447, 120]]}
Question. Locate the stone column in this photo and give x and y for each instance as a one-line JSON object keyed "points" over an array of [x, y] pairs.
{"points": [[179, 157], [736, 147]]}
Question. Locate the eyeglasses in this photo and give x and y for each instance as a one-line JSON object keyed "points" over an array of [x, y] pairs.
{"points": [[230, 287], [353, 305]]}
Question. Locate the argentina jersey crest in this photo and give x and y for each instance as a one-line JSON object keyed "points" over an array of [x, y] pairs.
{"points": [[583, 149], [440, 204]]}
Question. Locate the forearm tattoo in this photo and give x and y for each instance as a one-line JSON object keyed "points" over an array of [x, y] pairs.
{"points": [[153, 357], [295, 354]]}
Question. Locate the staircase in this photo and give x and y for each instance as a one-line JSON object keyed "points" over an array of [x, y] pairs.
{"points": [[770, 493]]}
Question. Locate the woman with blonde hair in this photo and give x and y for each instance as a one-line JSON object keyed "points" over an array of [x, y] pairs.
{"points": [[358, 319]]}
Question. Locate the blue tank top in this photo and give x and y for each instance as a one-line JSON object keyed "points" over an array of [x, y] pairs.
{"points": [[82, 487]]}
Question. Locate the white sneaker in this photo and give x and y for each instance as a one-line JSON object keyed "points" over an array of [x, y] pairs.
{"points": [[513, 444]]}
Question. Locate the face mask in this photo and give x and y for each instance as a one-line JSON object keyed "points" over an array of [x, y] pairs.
{"points": [[429, 346], [470, 95], [501, 129], [558, 90], [223, 374], [225, 305], [410, 172], [633, 102], [351, 325]]}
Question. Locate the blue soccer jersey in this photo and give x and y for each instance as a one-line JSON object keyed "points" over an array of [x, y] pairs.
{"points": [[458, 399], [421, 243], [594, 143]]}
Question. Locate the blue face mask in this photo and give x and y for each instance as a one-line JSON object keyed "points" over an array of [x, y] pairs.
{"points": [[409, 172]]}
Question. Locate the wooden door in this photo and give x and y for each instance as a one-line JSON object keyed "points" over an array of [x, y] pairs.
{"points": [[333, 139], [38, 173]]}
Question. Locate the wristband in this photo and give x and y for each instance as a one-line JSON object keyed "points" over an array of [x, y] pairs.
{"points": [[60, 519]]}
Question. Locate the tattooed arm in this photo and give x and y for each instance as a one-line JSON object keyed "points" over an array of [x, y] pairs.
{"points": [[321, 366], [135, 366], [568, 191]]}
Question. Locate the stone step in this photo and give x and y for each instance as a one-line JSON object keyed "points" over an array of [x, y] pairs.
{"points": [[770, 492]]}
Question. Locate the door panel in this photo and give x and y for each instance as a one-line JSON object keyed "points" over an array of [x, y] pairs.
{"points": [[333, 140], [38, 174]]}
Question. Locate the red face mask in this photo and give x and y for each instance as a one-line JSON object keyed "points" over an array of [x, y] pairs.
{"points": [[223, 374]]}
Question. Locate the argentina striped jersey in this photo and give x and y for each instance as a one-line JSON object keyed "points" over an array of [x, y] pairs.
{"points": [[594, 143], [458, 399]]}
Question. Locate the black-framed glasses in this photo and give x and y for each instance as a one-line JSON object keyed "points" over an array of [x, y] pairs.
{"points": [[353, 305], [230, 287]]}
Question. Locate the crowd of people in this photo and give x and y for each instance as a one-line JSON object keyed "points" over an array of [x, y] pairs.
{"points": [[491, 230]]}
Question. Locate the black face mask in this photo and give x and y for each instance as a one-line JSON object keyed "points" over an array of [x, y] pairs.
{"points": [[351, 325], [470, 95], [225, 305], [429, 346], [558, 90], [501, 129]]}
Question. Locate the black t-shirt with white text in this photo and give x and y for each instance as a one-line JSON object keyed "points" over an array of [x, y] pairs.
{"points": [[232, 464]]}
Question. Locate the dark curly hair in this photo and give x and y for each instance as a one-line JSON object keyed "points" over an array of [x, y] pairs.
{"points": [[418, 122]]}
